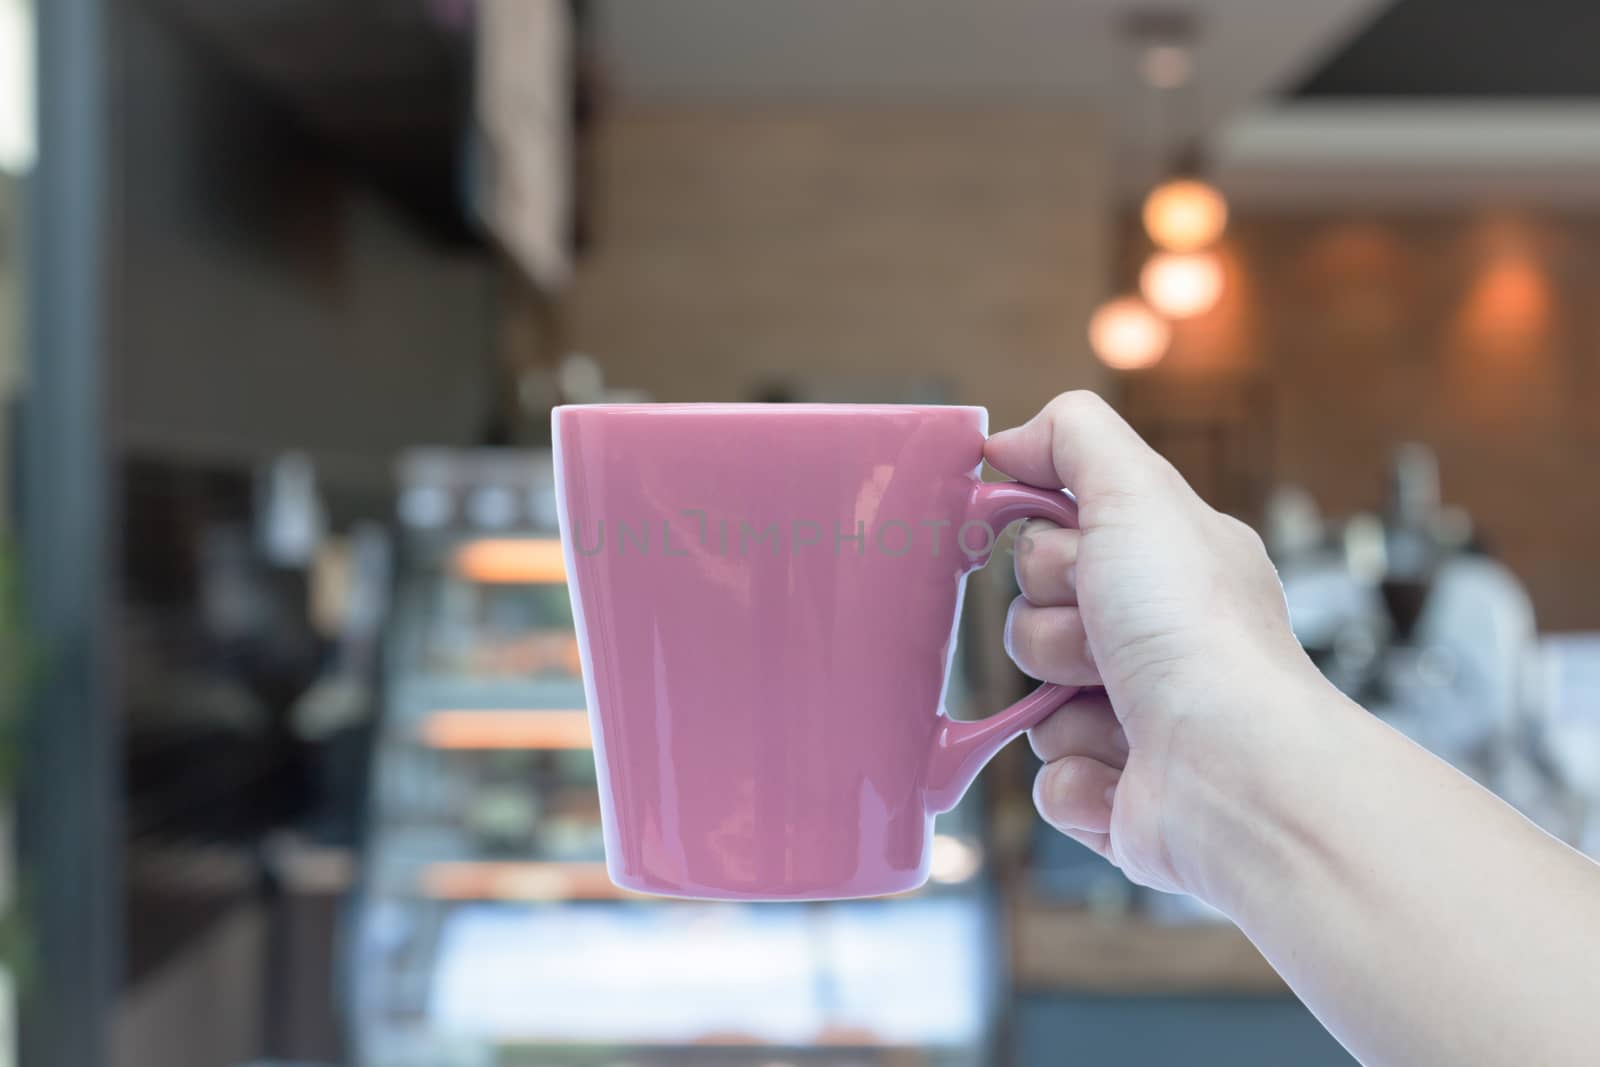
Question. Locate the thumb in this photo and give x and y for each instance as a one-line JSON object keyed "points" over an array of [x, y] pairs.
{"points": [[1079, 443]]}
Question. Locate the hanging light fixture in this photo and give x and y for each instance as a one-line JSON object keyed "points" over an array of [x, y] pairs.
{"points": [[1182, 214], [1181, 285], [1127, 335], [1185, 214]]}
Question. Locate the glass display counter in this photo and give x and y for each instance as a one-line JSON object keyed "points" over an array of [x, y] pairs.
{"points": [[487, 933]]}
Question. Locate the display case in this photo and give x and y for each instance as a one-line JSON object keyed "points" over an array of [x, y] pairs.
{"points": [[487, 932]]}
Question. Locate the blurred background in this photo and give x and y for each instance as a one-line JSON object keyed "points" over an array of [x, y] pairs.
{"points": [[293, 758]]}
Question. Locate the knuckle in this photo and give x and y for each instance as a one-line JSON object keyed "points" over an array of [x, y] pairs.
{"points": [[1112, 736], [1038, 649], [1158, 476], [1043, 738], [1075, 767], [1042, 563], [1125, 503], [1167, 472], [1075, 775], [1077, 404], [1244, 534]]}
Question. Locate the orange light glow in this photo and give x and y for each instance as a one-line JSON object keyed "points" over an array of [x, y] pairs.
{"points": [[1127, 335], [1185, 215], [511, 561], [519, 881], [1368, 280], [1509, 307], [520, 730], [1182, 285]]}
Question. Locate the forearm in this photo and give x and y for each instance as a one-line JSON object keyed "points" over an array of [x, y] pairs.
{"points": [[1419, 917]]}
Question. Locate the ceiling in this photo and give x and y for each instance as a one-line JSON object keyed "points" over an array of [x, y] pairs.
{"points": [[1466, 49], [384, 83], [1049, 51], [1434, 102], [1326, 98]]}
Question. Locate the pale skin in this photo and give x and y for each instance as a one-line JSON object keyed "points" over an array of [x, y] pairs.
{"points": [[1419, 917]]}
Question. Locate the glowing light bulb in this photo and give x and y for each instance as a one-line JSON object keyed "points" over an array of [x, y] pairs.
{"points": [[1181, 285], [1127, 335], [1185, 215]]}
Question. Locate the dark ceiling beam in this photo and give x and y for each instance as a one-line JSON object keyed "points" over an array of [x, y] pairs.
{"points": [[381, 83]]}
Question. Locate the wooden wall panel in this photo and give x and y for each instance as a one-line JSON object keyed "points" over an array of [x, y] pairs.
{"points": [[735, 247], [1477, 333]]}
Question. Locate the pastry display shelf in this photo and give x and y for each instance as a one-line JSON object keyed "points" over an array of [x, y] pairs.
{"points": [[486, 932], [487, 714]]}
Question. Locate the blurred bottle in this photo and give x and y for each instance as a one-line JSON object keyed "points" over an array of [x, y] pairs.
{"points": [[1412, 551], [291, 519], [350, 595]]}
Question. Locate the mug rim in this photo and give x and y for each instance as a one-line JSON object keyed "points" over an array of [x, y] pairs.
{"points": [[756, 407]]}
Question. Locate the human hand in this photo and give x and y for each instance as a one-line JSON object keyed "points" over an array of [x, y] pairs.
{"points": [[1170, 606], [1419, 917]]}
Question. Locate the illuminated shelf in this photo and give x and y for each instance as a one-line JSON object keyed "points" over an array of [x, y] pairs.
{"points": [[511, 561], [840, 1042], [512, 880], [534, 880], [514, 729]]}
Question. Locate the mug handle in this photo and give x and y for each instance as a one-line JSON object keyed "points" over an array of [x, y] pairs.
{"points": [[960, 749]]}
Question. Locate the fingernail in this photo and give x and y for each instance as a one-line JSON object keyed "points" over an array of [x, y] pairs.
{"points": [[1024, 543], [1039, 790]]}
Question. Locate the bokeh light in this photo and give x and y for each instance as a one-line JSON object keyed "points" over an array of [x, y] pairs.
{"points": [[1127, 335], [1185, 215], [1181, 285]]}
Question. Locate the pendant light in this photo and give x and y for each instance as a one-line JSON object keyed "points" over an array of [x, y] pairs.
{"points": [[1185, 214], [1126, 334], [1181, 285]]}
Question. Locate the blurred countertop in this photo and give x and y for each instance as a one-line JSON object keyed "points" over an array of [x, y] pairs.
{"points": [[1073, 949]]}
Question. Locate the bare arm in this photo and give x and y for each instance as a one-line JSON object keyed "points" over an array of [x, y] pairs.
{"points": [[1420, 917]]}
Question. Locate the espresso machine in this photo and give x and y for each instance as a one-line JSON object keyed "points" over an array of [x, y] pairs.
{"points": [[1414, 620]]}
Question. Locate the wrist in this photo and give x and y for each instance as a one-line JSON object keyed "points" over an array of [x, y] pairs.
{"points": [[1248, 828]]}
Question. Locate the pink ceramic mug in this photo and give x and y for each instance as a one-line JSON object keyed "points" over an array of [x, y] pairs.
{"points": [[766, 598]]}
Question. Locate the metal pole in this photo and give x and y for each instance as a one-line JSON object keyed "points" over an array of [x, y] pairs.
{"points": [[70, 797]]}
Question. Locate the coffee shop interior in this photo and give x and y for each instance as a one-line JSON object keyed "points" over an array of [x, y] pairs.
{"points": [[297, 766]]}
